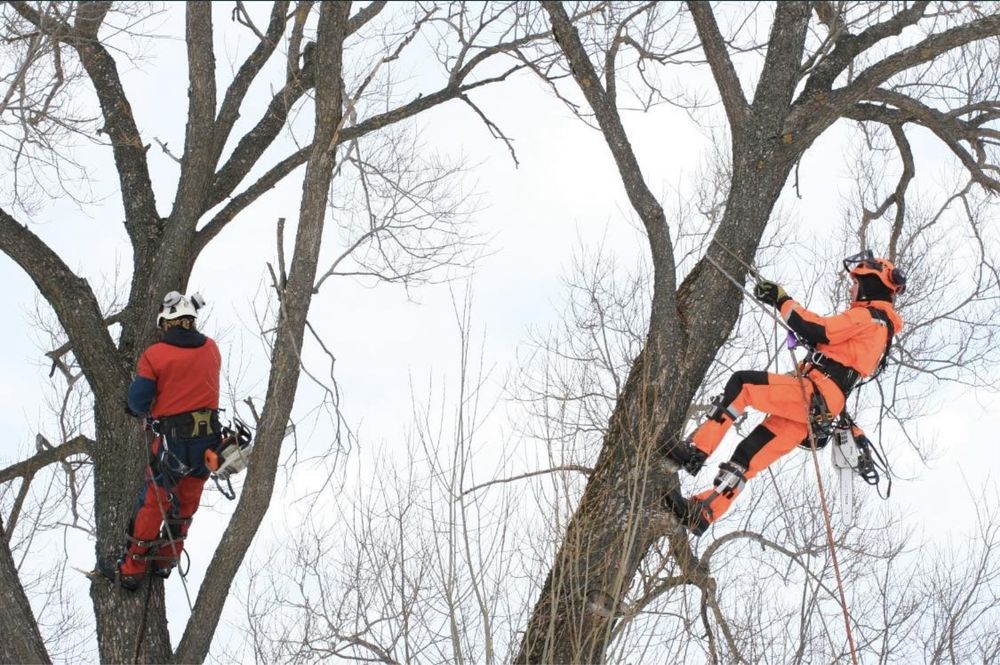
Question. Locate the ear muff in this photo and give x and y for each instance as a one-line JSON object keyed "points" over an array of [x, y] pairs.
{"points": [[865, 263], [898, 279]]}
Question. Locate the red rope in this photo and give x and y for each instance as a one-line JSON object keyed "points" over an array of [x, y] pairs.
{"points": [[812, 442], [826, 514]]}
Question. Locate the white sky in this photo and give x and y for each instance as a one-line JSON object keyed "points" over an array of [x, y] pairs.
{"points": [[565, 193]]}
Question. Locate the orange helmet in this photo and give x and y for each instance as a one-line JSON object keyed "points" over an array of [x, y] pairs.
{"points": [[865, 263]]}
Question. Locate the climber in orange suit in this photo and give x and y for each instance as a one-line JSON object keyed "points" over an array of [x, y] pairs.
{"points": [[847, 347]]}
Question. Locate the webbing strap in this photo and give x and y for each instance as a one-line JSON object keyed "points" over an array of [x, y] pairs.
{"points": [[159, 542], [138, 542], [879, 315]]}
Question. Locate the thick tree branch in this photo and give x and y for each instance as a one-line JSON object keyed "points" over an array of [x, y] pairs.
{"points": [[74, 303], [119, 124], [229, 112], [847, 46], [812, 115], [90, 17], [664, 317], [21, 642], [781, 65], [899, 195], [198, 162], [79, 445], [253, 144], [364, 15], [948, 127], [920, 53], [714, 46]]}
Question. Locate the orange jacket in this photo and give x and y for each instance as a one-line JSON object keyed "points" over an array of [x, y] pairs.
{"points": [[854, 338]]}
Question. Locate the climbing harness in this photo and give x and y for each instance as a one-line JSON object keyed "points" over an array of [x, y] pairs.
{"points": [[825, 426], [230, 457]]}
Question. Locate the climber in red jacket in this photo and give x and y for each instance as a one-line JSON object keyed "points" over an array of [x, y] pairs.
{"points": [[847, 347], [177, 387]]}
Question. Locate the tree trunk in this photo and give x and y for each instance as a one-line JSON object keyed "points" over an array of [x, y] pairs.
{"points": [[619, 517], [20, 641], [131, 625]]}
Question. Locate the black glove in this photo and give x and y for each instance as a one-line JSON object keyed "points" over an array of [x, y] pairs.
{"points": [[129, 411], [770, 293]]}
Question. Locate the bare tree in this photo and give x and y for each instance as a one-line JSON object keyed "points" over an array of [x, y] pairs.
{"points": [[850, 66], [346, 75], [766, 595], [415, 563]]}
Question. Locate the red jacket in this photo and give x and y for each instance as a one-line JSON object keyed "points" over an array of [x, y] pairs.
{"points": [[177, 375]]}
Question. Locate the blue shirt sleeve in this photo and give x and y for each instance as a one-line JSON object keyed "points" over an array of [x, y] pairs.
{"points": [[141, 394]]}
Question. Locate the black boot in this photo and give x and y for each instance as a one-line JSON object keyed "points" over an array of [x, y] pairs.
{"points": [[163, 572], [684, 455], [110, 567], [691, 514]]}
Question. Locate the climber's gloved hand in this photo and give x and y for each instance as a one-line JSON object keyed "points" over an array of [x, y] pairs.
{"points": [[770, 293]]}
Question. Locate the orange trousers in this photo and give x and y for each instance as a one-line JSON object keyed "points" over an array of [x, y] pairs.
{"points": [[787, 401]]}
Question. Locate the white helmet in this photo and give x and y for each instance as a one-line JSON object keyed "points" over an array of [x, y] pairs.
{"points": [[175, 306]]}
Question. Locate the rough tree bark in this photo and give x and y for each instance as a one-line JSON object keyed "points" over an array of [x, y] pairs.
{"points": [[21, 643], [165, 248], [616, 521]]}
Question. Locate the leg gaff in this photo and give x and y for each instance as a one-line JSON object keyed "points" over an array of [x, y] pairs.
{"points": [[730, 480]]}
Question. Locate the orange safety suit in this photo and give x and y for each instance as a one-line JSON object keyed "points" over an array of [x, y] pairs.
{"points": [[855, 341]]}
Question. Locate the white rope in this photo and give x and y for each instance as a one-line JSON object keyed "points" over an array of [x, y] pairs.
{"points": [[170, 534]]}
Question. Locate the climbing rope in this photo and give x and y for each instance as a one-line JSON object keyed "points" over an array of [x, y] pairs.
{"points": [[145, 612], [826, 512], [170, 533], [812, 443]]}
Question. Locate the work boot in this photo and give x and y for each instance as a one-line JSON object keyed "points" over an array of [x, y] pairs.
{"points": [[683, 455], [110, 567], [691, 514], [161, 571], [129, 582]]}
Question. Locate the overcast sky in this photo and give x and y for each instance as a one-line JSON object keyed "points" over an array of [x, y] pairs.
{"points": [[390, 344]]}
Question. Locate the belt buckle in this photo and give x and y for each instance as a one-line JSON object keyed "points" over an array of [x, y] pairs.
{"points": [[199, 418]]}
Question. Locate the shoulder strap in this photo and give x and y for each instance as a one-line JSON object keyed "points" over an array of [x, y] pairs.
{"points": [[879, 315]]}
